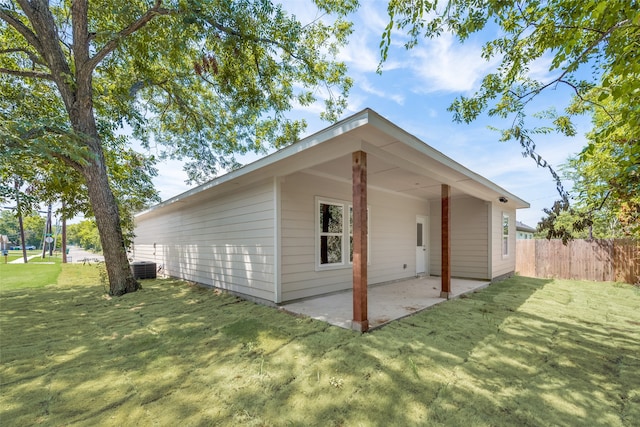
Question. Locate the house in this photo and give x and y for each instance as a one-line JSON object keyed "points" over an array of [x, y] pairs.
{"points": [[361, 202], [523, 231]]}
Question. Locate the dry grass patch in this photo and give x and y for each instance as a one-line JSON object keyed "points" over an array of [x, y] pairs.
{"points": [[522, 352]]}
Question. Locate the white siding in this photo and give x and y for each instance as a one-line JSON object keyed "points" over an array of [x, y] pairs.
{"points": [[392, 236], [469, 238], [227, 241], [501, 264]]}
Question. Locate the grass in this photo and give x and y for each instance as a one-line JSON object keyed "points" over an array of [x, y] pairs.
{"points": [[38, 272], [13, 255], [524, 352]]}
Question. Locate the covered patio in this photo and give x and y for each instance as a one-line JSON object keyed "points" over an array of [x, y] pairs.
{"points": [[386, 302]]}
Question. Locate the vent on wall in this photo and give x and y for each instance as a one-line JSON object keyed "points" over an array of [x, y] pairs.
{"points": [[143, 269]]}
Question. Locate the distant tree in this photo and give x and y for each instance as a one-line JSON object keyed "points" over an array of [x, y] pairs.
{"points": [[12, 189], [593, 48], [606, 175], [204, 79], [33, 229], [84, 234], [9, 225], [563, 222], [606, 183]]}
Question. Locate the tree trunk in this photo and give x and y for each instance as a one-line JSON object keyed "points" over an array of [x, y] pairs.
{"points": [[20, 223], [101, 197], [64, 237], [105, 210], [22, 240], [103, 202], [47, 233]]}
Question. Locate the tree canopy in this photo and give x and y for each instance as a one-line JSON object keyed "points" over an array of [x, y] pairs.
{"points": [[199, 80], [33, 228], [593, 49]]}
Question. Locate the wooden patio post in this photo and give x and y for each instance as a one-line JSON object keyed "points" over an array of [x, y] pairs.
{"points": [[359, 174], [445, 290]]}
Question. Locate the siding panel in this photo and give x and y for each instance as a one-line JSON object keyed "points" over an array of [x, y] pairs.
{"points": [[469, 238], [227, 241], [501, 264]]}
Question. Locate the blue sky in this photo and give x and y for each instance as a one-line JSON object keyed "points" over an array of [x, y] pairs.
{"points": [[414, 91]]}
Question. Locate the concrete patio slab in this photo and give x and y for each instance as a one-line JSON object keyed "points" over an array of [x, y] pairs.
{"points": [[386, 302]]}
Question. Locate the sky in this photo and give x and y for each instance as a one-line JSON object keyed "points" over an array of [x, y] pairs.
{"points": [[414, 91]]}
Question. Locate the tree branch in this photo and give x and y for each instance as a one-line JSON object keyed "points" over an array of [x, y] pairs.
{"points": [[22, 140], [29, 35], [26, 73], [531, 94], [112, 44], [31, 55], [560, 79], [45, 39], [232, 32], [583, 99]]}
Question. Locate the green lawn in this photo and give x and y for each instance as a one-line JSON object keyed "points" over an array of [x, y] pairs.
{"points": [[36, 273], [13, 255], [524, 352]]}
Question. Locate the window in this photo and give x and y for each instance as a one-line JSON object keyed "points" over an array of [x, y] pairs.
{"points": [[335, 234], [505, 234], [331, 233]]}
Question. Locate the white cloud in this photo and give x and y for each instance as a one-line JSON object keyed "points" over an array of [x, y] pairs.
{"points": [[304, 11], [358, 54], [366, 86], [373, 15], [444, 65], [362, 54]]}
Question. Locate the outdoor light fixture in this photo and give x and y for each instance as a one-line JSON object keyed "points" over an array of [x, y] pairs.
{"points": [[503, 199]]}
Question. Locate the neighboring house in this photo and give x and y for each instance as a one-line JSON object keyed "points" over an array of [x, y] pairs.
{"points": [[294, 224], [523, 231]]}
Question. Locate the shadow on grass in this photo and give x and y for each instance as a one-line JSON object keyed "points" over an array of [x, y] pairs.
{"points": [[510, 354]]}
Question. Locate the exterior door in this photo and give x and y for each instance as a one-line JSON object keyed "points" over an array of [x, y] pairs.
{"points": [[422, 245]]}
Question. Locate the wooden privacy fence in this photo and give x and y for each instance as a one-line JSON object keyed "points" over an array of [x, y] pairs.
{"points": [[600, 259]]}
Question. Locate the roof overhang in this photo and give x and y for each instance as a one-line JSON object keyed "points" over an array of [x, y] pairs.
{"points": [[396, 161]]}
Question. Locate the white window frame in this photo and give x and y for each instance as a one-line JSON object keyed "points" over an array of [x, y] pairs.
{"points": [[320, 234], [347, 234], [505, 244]]}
